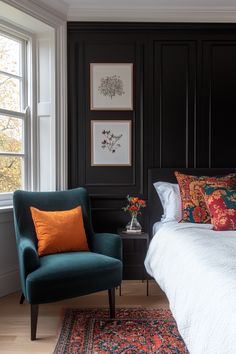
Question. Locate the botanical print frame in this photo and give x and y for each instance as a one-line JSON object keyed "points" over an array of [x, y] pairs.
{"points": [[111, 143], [111, 86]]}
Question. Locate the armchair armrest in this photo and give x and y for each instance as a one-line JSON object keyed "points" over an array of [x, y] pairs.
{"points": [[28, 258], [108, 245]]}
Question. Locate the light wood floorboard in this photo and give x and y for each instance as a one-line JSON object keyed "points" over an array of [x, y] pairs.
{"points": [[15, 320]]}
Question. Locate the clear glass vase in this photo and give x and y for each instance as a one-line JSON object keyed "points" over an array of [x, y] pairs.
{"points": [[133, 225]]}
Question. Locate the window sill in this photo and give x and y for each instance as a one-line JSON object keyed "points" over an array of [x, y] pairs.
{"points": [[6, 209]]}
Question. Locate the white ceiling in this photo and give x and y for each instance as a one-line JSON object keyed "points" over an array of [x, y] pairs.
{"points": [[10, 14], [147, 10]]}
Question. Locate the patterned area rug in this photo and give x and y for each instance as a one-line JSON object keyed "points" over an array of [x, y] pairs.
{"points": [[134, 330]]}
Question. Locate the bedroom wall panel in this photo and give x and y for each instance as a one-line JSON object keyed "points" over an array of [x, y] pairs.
{"points": [[102, 180], [174, 104], [184, 105], [219, 83]]}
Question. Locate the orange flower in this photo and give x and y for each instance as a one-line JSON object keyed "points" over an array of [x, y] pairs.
{"points": [[134, 200], [134, 205]]}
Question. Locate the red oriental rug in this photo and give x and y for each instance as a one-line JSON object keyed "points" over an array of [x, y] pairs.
{"points": [[134, 330]]}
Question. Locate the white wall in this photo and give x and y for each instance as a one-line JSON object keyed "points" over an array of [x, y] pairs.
{"points": [[46, 112]]}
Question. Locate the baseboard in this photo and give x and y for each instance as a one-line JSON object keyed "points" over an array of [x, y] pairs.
{"points": [[9, 282]]}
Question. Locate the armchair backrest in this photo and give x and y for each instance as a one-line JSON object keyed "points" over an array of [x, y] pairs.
{"points": [[24, 228], [49, 201]]}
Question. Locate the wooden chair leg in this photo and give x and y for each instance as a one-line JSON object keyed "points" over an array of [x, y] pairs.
{"points": [[22, 298], [111, 295], [34, 309]]}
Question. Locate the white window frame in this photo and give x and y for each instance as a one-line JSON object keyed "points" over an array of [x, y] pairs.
{"points": [[24, 114], [30, 18]]}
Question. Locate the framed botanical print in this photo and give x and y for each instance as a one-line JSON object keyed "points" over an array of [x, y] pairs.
{"points": [[111, 143], [111, 86]]}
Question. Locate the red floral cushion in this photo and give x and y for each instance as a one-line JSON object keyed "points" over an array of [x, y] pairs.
{"points": [[221, 203], [194, 207]]}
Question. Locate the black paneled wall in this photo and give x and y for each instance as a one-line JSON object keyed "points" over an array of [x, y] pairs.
{"points": [[184, 114]]}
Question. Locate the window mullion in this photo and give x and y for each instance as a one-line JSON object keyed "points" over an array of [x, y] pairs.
{"points": [[24, 104], [24, 82], [12, 154], [26, 137], [16, 114], [5, 73]]}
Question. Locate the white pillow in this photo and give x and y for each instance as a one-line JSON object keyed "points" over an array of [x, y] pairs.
{"points": [[170, 198]]}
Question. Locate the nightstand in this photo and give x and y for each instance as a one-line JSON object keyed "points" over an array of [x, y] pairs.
{"points": [[137, 236]]}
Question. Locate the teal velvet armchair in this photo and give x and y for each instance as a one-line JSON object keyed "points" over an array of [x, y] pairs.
{"points": [[61, 276]]}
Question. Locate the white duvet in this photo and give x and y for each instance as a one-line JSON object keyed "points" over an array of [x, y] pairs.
{"points": [[196, 268]]}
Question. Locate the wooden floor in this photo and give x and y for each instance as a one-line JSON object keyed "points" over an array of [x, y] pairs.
{"points": [[15, 325]]}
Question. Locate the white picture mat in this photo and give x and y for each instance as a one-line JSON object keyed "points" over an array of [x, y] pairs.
{"points": [[102, 156], [102, 70]]}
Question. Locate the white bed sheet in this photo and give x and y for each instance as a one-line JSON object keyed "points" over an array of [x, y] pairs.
{"points": [[196, 268], [157, 226]]}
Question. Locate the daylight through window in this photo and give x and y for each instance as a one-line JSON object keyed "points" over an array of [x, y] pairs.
{"points": [[13, 103]]}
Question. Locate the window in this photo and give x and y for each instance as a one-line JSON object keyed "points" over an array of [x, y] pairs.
{"points": [[14, 120]]}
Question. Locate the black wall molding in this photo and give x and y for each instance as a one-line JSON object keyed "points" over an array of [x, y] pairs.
{"points": [[149, 26], [184, 104]]}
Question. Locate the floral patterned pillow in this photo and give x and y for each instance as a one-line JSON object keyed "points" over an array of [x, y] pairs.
{"points": [[221, 203], [194, 207]]}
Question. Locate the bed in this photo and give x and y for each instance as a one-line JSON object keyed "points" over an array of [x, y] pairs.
{"points": [[196, 268]]}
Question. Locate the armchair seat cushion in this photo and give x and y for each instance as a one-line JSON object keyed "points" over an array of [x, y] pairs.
{"points": [[71, 274]]}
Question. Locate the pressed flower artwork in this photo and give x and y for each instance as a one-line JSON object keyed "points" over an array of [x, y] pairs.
{"points": [[111, 86], [111, 143]]}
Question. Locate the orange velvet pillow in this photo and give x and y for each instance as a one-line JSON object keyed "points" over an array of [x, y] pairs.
{"points": [[59, 231]]}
